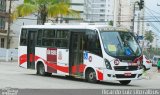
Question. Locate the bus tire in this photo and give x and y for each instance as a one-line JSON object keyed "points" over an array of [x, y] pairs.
{"points": [[41, 70], [91, 76], [125, 82]]}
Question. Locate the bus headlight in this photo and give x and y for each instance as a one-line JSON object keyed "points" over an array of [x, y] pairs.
{"points": [[108, 65]]}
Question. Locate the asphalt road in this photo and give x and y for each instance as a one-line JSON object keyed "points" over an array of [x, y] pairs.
{"points": [[15, 77]]}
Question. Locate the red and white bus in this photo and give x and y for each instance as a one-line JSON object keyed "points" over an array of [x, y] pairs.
{"points": [[91, 52]]}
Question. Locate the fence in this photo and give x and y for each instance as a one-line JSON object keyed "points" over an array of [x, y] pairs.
{"points": [[8, 54]]}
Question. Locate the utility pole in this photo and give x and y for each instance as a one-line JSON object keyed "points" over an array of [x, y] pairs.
{"points": [[134, 9], [9, 24], [133, 16], [138, 24], [115, 13], [143, 31], [119, 12]]}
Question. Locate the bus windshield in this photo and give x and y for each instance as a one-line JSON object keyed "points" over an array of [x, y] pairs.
{"points": [[119, 44]]}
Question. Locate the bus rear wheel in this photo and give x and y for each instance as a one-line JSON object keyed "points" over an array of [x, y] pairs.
{"points": [[91, 76], [125, 82], [41, 70]]}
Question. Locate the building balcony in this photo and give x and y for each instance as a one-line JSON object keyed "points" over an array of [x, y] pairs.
{"points": [[4, 14], [3, 31]]}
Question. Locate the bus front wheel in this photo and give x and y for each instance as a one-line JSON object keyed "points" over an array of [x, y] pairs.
{"points": [[91, 76], [125, 82], [41, 70]]}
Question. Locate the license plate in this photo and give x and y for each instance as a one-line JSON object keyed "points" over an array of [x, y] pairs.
{"points": [[134, 64], [127, 74]]}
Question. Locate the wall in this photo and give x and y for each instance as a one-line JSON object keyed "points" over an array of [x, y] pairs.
{"points": [[5, 55]]}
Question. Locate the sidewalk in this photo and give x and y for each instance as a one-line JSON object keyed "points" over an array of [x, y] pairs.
{"points": [[13, 62]]}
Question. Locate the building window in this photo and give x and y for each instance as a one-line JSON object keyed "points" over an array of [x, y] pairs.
{"points": [[102, 15], [2, 23], [101, 10], [103, 0], [102, 5], [2, 5], [102, 20], [2, 42]]}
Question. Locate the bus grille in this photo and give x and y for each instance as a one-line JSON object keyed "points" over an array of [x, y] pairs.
{"points": [[123, 76], [125, 68]]}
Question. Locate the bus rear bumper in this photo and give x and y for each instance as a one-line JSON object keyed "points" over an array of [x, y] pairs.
{"points": [[122, 75]]}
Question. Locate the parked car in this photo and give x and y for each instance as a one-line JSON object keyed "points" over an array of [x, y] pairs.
{"points": [[155, 60], [146, 63]]}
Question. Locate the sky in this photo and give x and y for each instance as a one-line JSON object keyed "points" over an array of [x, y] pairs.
{"points": [[152, 13]]}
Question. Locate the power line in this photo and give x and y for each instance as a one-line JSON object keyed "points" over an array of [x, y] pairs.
{"points": [[153, 26], [152, 14], [153, 10], [100, 21]]}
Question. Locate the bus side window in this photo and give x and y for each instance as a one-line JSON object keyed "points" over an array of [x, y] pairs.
{"points": [[92, 43], [23, 39], [39, 38], [48, 38], [62, 38]]}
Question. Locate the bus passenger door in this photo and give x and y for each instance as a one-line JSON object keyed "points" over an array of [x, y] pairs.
{"points": [[76, 54], [31, 49]]}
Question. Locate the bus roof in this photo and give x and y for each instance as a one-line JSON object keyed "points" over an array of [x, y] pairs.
{"points": [[68, 26]]}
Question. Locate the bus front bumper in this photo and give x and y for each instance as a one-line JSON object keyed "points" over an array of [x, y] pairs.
{"points": [[121, 75]]}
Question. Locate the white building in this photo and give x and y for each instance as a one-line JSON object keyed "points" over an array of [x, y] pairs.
{"points": [[98, 10], [77, 5], [16, 25], [3, 24], [124, 13]]}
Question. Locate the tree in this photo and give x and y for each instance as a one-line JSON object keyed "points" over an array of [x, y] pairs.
{"points": [[110, 22], [44, 9], [149, 36]]}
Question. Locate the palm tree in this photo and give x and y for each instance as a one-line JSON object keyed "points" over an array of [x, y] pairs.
{"points": [[149, 36], [44, 9]]}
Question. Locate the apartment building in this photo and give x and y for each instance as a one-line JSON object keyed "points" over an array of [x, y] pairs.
{"points": [[124, 14], [77, 5], [98, 10], [3, 24]]}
